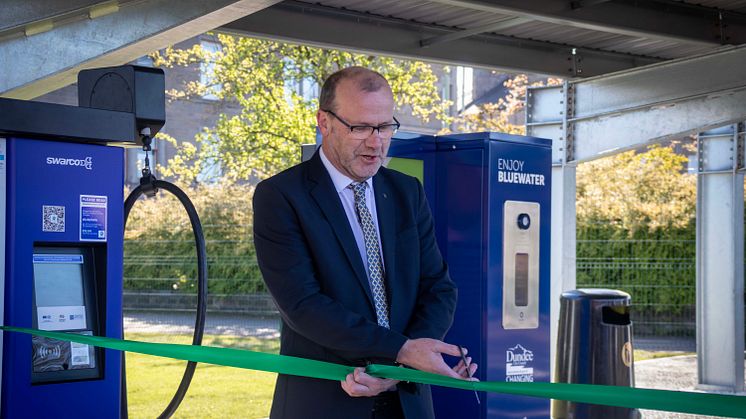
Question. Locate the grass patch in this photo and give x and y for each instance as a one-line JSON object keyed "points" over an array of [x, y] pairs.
{"points": [[215, 392]]}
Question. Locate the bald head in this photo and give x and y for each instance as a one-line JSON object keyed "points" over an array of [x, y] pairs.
{"points": [[364, 80], [355, 98]]}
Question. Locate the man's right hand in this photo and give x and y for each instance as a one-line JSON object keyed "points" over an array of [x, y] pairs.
{"points": [[427, 355]]}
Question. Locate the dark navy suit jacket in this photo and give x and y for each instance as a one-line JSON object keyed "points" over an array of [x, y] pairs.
{"points": [[310, 262]]}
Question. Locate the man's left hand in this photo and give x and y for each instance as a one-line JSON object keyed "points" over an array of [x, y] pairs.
{"points": [[360, 384]]}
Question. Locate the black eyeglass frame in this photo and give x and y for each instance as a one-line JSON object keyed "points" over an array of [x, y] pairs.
{"points": [[396, 125]]}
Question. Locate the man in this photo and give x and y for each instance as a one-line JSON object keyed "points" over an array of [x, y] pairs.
{"points": [[347, 249]]}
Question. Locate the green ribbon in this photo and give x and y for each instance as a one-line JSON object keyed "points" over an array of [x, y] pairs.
{"points": [[666, 400]]}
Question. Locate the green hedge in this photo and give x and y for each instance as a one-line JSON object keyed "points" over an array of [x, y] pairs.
{"points": [[657, 268], [159, 247]]}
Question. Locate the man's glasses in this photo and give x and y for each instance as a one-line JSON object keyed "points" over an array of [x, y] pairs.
{"points": [[361, 132]]}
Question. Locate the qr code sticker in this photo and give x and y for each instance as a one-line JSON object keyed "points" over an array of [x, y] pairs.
{"points": [[53, 219]]}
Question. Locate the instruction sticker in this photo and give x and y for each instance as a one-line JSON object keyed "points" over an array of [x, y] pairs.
{"points": [[80, 354], [93, 218]]}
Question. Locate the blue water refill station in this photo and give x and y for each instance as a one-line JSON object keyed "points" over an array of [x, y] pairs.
{"points": [[61, 216], [490, 195]]}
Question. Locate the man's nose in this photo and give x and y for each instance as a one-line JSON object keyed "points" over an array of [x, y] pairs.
{"points": [[374, 140]]}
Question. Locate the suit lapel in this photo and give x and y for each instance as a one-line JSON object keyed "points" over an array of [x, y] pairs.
{"points": [[387, 228], [325, 195]]}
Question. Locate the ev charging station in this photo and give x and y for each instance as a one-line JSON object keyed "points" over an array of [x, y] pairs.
{"points": [[62, 216], [63, 273], [490, 195]]}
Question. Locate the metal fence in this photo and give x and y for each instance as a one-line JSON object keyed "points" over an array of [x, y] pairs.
{"points": [[658, 273], [662, 285], [160, 284]]}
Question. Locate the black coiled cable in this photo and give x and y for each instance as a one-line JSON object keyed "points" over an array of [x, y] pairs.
{"points": [[150, 186]]}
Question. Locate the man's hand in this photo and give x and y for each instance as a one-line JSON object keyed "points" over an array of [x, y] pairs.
{"points": [[426, 355], [360, 384], [460, 369]]}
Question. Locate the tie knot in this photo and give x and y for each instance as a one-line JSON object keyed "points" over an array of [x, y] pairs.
{"points": [[359, 190]]}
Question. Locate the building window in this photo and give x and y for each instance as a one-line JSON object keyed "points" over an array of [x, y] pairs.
{"points": [[307, 88], [211, 169], [464, 87], [446, 83], [210, 172], [692, 165], [207, 69]]}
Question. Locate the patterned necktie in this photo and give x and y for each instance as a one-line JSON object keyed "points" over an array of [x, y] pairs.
{"points": [[373, 252]]}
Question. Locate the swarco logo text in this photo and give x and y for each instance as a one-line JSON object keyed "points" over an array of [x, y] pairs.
{"points": [[61, 161]]}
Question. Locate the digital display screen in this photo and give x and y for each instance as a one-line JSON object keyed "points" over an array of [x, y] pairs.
{"points": [[64, 300], [59, 292], [58, 280], [521, 279]]}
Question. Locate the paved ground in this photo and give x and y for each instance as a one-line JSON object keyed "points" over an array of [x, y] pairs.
{"points": [[673, 373], [215, 323]]}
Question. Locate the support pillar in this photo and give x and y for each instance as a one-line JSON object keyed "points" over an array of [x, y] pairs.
{"points": [[720, 259], [564, 222], [548, 116]]}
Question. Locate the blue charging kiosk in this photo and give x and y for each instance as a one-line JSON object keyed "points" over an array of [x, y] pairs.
{"points": [[63, 273], [490, 195], [61, 216]]}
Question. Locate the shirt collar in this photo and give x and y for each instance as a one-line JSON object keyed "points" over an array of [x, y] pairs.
{"points": [[340, 180]]}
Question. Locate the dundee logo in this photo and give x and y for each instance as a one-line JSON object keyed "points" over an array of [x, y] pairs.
{"points": [[61, 161], [518, 361]]}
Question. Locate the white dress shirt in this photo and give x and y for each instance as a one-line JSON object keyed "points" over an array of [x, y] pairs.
{"points": [[347, 196]]}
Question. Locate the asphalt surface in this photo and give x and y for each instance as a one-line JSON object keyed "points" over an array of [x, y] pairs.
{"points": [[215, 324], [671, 373]]}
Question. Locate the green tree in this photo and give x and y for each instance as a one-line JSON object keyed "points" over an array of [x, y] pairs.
{"points": [[501, 115], [264, 137], [636, 233], [637, 191]]}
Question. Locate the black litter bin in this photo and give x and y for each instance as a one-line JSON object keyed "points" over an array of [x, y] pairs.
{"points": [[594, 346]]}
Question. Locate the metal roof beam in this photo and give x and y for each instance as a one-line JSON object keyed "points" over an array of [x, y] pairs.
{"points": [[579, 4], [606, 115], [18, 13], [655, 20], [490, 27], [50, 56], [328, 27]]}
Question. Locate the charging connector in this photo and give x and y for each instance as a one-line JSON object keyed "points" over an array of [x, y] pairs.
{"points": [[148, 179]]}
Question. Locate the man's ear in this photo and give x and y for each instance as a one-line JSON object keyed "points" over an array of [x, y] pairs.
{"points": [[322, 120]]}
